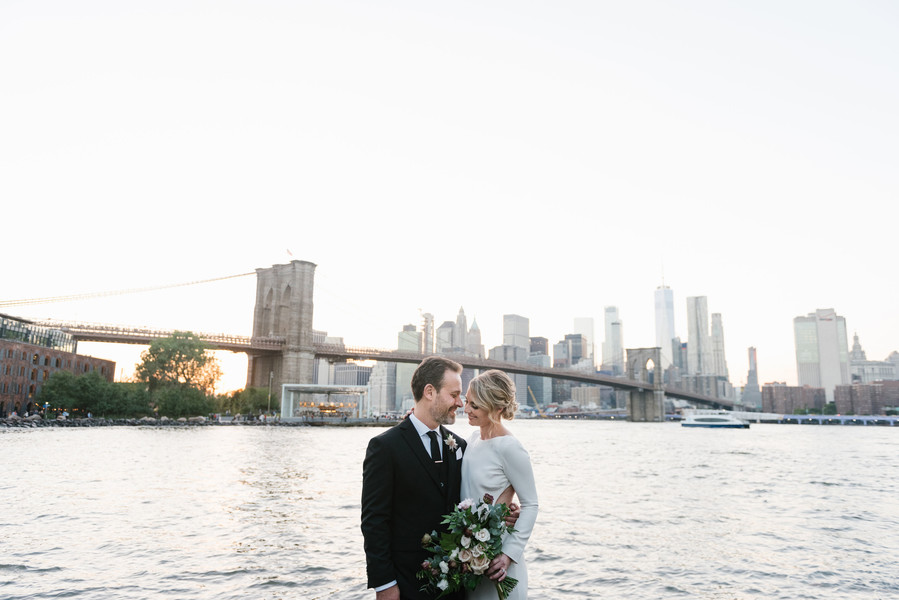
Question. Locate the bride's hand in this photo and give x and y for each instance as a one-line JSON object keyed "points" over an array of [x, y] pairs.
{"points": [[498, 567], [513, 515]]}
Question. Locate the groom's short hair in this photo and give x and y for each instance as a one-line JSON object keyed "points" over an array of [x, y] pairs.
{"points": [[432, 370]]}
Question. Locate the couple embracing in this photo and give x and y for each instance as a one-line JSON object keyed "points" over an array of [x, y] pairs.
{"points": [[417, 472]]}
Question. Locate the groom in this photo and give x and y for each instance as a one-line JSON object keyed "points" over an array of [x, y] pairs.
{"points": [[409, 481]]}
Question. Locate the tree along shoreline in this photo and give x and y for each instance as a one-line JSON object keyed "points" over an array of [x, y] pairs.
{"points": [[35, 422]]}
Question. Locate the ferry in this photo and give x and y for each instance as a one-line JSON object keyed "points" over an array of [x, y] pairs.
{"points": [[721, 419]]}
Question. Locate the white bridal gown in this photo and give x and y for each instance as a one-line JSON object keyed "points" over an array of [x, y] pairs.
{"points": [[489, 467]]}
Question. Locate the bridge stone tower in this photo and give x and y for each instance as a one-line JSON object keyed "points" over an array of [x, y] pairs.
{"points": [[283, 309], [646, 405]]}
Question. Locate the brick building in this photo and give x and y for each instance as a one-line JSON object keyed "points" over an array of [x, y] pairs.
{"points": [[29, 354], [866, 398], [786, 399]]}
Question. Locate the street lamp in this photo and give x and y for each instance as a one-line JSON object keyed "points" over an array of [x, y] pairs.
{"points": [[271, 376]]}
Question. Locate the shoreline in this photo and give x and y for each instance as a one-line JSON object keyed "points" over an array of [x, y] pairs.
{"points": [[35, 422], [38, 423]]}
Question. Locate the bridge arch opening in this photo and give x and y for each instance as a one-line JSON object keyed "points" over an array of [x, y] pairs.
{"points": [[649, 368]]}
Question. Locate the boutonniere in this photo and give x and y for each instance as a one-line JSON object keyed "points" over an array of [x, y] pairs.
{"points": [[450, 442]]}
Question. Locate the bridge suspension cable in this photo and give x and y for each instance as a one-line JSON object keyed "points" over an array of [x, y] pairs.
{"points": [[72, 297]]}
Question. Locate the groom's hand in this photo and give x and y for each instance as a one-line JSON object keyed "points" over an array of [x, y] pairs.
{"points": [[391, 593], [513, 515]]}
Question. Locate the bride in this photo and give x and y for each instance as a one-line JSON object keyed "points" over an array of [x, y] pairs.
{"points": [[497, 464]]}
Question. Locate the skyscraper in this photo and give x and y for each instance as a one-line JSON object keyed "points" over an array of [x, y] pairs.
{"points": [[473, 340], [410, 340], [516, 331], [540, 389], [664, 301], [584, 327], [578, 345], [752, 395], [822, 350], [444, 337], [719, 362], [613, 346], [517, 354], [382, 389], [427, 332], [460, 333], [699, 355], [862, 370], [540, 345]]}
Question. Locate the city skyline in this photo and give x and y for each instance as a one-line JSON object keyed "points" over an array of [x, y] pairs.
{"points": [[428, 157], [235, 364]]}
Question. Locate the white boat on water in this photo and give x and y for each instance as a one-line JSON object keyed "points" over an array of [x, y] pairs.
{"points": [[716, 419]]}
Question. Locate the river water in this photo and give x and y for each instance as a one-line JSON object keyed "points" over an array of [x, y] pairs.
{"points": [[635, 511]]}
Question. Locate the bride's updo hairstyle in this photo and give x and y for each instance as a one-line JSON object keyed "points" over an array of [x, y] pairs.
{"points": [[492, 390]]}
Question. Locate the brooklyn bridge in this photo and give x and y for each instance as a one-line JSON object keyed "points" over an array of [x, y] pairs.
{"points": [[282, 349]]}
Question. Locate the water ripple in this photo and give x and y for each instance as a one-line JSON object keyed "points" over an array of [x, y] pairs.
{"points": [[627, 511]]}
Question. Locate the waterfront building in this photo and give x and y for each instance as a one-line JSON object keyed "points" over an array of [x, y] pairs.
{"points": [[561, 390], [862, 370], [613, 344], [408, 340], [894, 358], [784, 399], [585, 328], [699, 355], [382, 389], [586, 396], [516, 331], [890, 395], [323, 368], [866, 398], [822, 350], [351, 373], [706, 384], [664, 314], [719, 362], [30, 354], [752, 394]]}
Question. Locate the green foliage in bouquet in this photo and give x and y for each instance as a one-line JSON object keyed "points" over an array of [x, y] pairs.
{"points": [[460, 556]]}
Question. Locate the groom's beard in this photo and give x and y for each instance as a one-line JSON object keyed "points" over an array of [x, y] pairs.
{"points": [[445, 417]]}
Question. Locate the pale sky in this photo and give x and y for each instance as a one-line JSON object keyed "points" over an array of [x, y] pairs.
{"points": [[539, 158]]}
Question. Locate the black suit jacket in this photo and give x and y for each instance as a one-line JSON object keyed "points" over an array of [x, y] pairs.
{"points": [[403, 499]]}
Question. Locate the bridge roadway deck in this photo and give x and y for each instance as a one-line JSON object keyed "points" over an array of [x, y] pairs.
{"points": [[620, 383], [233, 343]]}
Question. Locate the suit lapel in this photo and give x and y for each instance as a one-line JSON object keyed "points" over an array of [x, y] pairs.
{"points": [[454, 477]]}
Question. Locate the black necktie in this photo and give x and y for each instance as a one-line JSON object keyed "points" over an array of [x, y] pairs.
{"points": [[435, 447]]}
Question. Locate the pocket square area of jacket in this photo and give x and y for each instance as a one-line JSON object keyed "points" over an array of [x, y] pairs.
{"points": [[458, 453]]}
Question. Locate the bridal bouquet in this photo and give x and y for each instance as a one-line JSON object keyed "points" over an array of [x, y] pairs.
{"points": [[461, 555]]}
